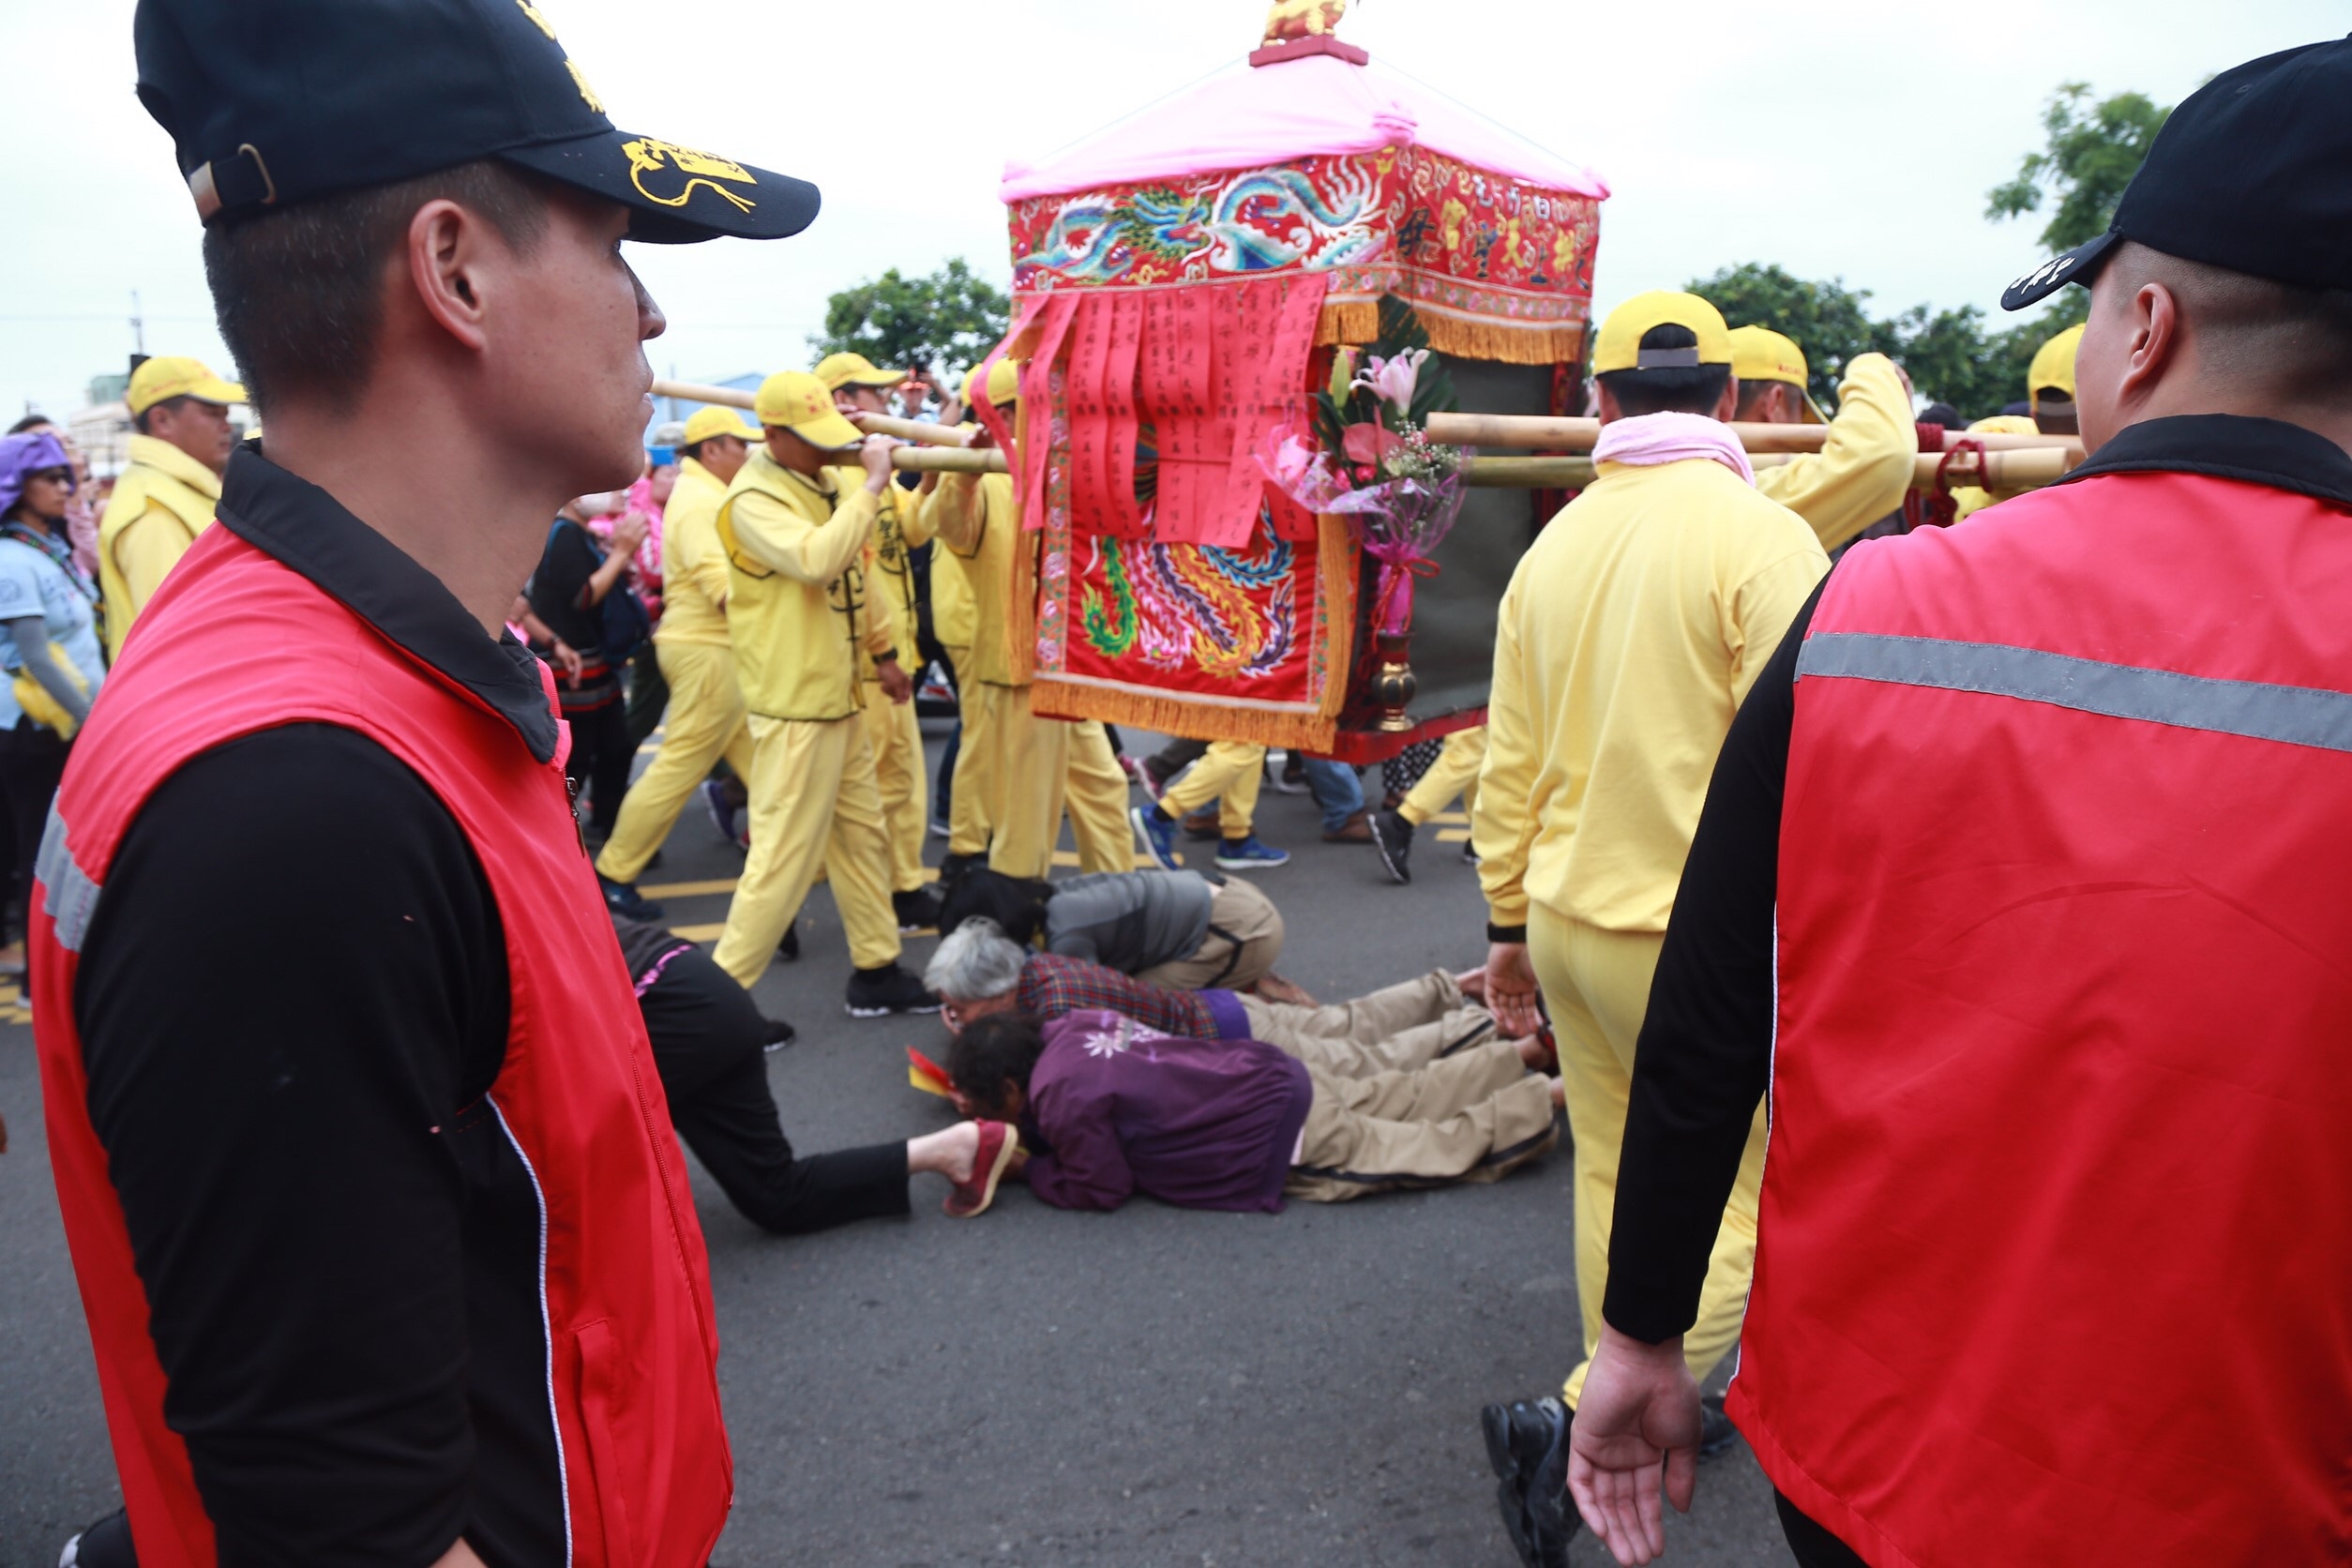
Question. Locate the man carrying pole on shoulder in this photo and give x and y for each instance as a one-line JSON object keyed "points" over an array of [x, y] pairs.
{"points": [[1863, 469], [892, 610], [387, 1251], [2020, 889], [796, 537]]}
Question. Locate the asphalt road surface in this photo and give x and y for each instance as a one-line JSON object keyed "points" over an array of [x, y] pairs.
{"points": [[1146, 1387]]}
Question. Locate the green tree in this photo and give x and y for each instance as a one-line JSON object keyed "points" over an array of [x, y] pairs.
{"points": [[951, 318], [2091, 154], [1828, 320]]}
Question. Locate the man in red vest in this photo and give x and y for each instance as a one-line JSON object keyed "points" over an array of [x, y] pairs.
{"points": [[2023, 886], [385, 1241]]}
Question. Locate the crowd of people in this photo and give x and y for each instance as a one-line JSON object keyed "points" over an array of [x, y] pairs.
{"points": [[1900, 862]]}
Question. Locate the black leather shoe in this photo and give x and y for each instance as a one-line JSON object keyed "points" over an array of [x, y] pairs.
{"points": [[1527, 1447], [789, 949], [780, 1034], [954, 868]]}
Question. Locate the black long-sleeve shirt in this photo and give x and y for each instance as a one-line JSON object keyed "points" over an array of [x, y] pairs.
{"points": [[1705, 1054], [292, 999]]}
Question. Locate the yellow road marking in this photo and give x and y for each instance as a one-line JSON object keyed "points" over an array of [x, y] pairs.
{"points": [[688, 890], [698, 933], [1452, 819], [1455, 836]]}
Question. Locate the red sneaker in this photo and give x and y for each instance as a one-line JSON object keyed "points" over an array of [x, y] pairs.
{"points": [[998, 1142]]}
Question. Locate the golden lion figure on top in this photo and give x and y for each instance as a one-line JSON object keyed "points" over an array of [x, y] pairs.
{"points": [[1289, 21]]}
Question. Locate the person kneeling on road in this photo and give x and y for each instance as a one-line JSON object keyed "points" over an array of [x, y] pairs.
{"points": [[1186, 930], [979, 971], [710, 1046], [1109, 1107]]}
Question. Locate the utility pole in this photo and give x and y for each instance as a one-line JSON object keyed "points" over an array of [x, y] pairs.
{"points": [[137, 328]]}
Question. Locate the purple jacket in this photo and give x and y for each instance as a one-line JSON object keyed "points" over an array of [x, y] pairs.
{"points": [[1116, 1107]]}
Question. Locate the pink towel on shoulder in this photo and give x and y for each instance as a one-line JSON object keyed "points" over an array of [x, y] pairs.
{"points": [[1649, 439]]}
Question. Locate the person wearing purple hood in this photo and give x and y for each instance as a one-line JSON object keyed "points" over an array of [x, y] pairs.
{"points": [[49, 650]]}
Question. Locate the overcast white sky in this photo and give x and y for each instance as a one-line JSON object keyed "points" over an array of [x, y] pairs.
{"points": [[1839, 138]]}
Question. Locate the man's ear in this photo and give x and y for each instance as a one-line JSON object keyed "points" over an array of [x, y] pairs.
{"points": [[1727, 406], [2155, 342], [445, 254], [1611, 410]]}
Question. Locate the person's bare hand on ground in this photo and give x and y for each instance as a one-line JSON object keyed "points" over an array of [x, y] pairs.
{"points": [[1637, 1431], [1512, 994], [1473, 984]]}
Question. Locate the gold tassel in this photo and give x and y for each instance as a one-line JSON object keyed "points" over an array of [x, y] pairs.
{"points": [[1347, 321], [1503, 342]]}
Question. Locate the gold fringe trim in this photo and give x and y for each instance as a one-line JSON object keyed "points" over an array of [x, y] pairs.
{"points": [[1510, 344], [1176, 715], [1347, 321]]}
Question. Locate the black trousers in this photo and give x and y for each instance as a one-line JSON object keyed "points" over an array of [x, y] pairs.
{"points": [[1814, 1547], [649, 696], [599, 766], [710, 1045], [32, 760]]}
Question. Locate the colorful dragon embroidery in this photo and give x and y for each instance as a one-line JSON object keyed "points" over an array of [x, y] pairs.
{"points": [[1197, 606], [1261, 222]]}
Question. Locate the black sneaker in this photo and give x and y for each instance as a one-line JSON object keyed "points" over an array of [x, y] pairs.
{"points": [[1393, 837], [1527, 1447], [917, 911], [623, 898], [789, 949], [876, 993], [780, 1034], [1149, 774], [1470, 854], [956, 866], [104, 1544]]}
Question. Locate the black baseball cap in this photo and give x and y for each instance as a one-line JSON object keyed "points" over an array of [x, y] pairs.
{"points": [[2253, 174], [273, 102]]}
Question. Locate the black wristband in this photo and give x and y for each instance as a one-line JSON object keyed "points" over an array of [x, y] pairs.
{"points": [[891, 657], [1513, 935]]}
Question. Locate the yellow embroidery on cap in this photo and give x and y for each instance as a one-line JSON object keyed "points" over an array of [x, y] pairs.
{"points": [[648, 156], [532, 12], [579, 80]]}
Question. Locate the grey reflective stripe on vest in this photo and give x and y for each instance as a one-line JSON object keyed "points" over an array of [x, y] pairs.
{"points": [[2298, 715], [72, 896]]}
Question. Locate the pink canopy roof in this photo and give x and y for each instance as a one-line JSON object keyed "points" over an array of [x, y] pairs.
{"points": [[1246, 119]]}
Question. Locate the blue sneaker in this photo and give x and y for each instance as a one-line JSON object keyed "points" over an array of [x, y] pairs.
{"points": [[623, 898], [725, 817], [1156, 833], [1248, 854]]}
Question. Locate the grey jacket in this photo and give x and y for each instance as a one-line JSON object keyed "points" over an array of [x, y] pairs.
{"points": [[1129, 921]]}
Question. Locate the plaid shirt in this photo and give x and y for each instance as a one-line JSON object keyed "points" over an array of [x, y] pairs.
{"points": [[1053, 987]]}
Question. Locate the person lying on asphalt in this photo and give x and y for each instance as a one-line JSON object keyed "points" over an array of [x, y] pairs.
{"points": [[1186, 930], [1109, 1108]]}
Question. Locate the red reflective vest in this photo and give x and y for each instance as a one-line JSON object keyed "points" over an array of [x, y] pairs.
{"points": [[632, 1363], [2056, 1255]]}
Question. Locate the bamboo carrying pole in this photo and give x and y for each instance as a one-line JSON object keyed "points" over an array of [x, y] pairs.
{"points": [[2015, 470], [1577, 435], [2012, 461]]}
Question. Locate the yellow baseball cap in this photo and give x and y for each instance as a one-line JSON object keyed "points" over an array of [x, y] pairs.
{"points": [[799, 402], [713, 421], [837, 371], [1759, 354], [169, 377], [2054, 366], [1618, 346], [1004, 383]]}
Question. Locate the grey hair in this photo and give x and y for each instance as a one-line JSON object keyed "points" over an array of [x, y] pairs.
{"points": [[976, 962]]}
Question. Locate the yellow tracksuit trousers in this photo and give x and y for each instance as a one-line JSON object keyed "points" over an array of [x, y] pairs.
{"points": [[813, 802], [1596, 986], [706, 722], [1229, 775], [969, 821], [1039, 767], [897, 739], [1454, 773]]}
